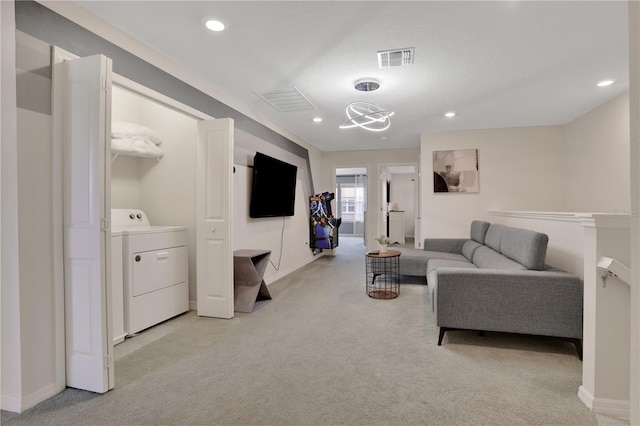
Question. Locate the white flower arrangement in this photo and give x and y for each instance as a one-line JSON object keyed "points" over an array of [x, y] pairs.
{"points": [[382, 239]]}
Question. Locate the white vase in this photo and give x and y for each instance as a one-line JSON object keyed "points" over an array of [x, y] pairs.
{"points": [[383, 248]]}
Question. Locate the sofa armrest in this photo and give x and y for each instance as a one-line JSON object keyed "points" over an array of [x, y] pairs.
{"points": [[519, 301], [447, 245]]}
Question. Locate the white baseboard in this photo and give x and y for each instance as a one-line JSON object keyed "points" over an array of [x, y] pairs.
{"points": [[10, 403], [608, 407], [282, 274], [39, 396], [119, 339], [193, 304], [18, 405], [586, 397]]}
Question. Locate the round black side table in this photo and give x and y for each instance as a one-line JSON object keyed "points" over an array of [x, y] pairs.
{"points": [[383, 274]]}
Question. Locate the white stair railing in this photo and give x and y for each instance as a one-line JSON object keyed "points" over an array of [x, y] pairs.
{"points": [[614, 268]]}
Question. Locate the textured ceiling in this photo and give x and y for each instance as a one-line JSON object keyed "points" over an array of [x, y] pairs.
{"points": [[496, 64]]}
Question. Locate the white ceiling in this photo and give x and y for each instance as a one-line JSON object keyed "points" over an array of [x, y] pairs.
{"points": [[495, 63]]}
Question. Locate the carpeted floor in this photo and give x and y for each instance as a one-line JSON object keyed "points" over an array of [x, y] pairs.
{"points": [[323, 353]]}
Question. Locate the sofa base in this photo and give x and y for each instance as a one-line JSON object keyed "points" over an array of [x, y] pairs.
{"points": [[576, 342]]}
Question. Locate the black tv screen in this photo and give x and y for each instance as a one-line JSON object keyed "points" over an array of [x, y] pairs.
{"points": [[273, 190]]}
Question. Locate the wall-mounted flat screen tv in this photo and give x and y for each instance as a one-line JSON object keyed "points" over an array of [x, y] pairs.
{"points": [[273, 189]]}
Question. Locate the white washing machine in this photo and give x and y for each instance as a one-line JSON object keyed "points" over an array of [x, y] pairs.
{"points": [[154, 268]]}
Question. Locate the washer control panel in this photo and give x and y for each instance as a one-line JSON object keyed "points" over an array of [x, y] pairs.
{"points": [[128, 218]]}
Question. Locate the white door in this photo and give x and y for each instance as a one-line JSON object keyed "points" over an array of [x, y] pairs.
{"points": [[360, 203], [417, 207], [87, 234], [213, 218]]}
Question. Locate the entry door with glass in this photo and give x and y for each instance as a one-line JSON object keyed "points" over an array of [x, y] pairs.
{"points": [[351, 197]]}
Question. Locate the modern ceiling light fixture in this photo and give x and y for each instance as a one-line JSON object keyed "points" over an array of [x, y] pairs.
{"points": [[450, 114], [367, 116]]}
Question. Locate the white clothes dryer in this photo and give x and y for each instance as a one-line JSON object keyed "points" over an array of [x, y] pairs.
{"points": [[155, 269]]}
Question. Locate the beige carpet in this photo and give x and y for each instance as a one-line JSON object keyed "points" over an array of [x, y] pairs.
{"points": [[323, 353]]}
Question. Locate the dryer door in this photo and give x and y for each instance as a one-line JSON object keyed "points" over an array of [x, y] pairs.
{"points": [[157, 269]]}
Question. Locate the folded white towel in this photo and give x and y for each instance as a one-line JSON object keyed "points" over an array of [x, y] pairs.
{"points": [[135, 147], [126, 130]]}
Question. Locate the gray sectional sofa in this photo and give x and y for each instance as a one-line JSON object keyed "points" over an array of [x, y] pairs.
{"points": [[497, 280]]}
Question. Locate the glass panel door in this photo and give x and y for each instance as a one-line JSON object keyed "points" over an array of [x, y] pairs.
{"points": [[352, 203], [360, 204], [346, 204]]}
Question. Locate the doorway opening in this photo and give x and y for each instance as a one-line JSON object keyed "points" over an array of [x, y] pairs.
{"points": [[351, 200], [401, 205]]}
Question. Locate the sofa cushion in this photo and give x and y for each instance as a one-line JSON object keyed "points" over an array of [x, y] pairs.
{"points": [[445, 256], [433, 264], [493, 236], [414, 261], [469, 248], [524, 246], [446, 245], [484, 257], [479, 230]]}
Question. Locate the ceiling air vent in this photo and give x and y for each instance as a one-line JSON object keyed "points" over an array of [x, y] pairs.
{"points": [[287, 100], [395, 58]]}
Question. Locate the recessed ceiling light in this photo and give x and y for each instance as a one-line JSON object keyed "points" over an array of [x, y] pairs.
{"points": [[317, 119], [450, 114], [214, 25], [605, 83]]}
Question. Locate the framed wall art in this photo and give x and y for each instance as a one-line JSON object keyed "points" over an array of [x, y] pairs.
{"points": [[455, 171]]}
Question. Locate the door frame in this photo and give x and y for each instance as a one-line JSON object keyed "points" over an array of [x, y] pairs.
{"points": [[57, 119]]}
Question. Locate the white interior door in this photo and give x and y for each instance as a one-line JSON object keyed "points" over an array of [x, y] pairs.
{"points": [[87, 234], [360, 204], [417, 207], [384, 203], [213, 218]]}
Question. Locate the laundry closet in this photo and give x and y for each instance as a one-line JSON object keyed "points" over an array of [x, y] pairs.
{"points": [[153, 175]]}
